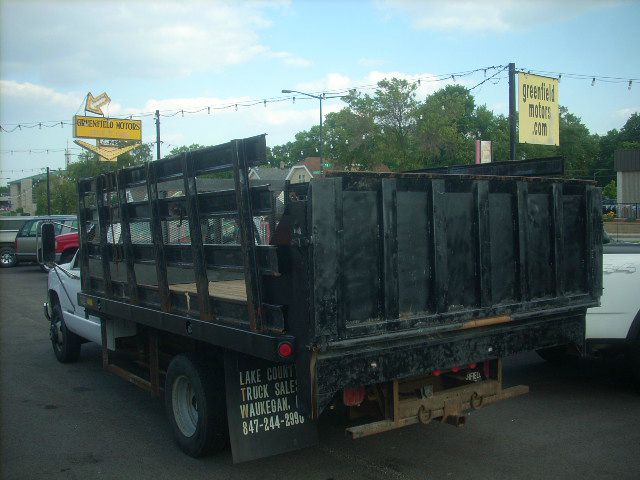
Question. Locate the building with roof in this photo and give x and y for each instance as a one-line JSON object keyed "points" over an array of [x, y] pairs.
{"points": [[627, 165], [22, 193], [295, 174]]}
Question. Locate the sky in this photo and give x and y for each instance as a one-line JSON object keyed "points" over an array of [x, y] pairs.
{"points": [[182, 57]]}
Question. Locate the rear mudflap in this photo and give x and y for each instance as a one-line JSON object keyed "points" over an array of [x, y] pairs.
{"points": [[262, 408]]}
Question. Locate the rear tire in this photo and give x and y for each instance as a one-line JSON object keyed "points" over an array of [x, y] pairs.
{"points": [[555, 355], [8, 257], [195, 404], [633, 360], [66, 344]]}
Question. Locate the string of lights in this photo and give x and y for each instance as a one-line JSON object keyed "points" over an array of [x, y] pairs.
{"points": [[22, 170], [210, 109], [578, 76], [453, 76]]}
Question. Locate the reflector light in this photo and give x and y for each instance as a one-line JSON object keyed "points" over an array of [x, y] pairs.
{"points": [[436, 373], [472, 365], [285, 349], [455, 369], [353, 397]]}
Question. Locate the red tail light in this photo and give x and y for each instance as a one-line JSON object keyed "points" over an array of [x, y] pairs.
{"points": [[285, 349], [352, 397], [436, 373]]}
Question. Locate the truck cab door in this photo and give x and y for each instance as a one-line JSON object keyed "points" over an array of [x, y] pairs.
{"points": [[77, 320]]}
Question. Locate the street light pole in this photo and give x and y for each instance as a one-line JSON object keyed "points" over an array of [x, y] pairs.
{"points": [[320, 98]]}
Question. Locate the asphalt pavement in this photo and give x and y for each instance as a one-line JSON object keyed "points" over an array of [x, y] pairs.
{"points": [[76, 421]]}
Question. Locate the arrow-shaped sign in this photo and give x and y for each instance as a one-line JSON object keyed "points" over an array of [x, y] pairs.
{"points": [[95, 104], [108, 153]]}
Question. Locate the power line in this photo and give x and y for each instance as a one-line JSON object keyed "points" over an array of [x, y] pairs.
{"points": [[12, 127], [236, 105]]}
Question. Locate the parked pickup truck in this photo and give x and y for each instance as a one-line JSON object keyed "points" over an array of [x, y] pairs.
{"points": [[9, 227], [27, 243], [394, 296], [613, 328], [66, 246]]}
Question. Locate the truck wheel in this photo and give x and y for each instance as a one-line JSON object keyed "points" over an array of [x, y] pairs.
{"points": [[633, 360], [8, 257], [554, 355], [66, 344], [195, 404]]}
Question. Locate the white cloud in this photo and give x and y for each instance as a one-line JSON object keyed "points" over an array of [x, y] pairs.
{"points": [[625, 113], [91, 40], [494, 15], [337, 82], [31, 94]]}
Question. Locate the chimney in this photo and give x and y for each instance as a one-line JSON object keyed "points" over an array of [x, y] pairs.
{"points": [[281, 165]]}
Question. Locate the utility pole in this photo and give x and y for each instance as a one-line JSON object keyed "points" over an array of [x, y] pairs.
{"points": [[48, 194], [67, 157], [157, 134], [512, 111]]}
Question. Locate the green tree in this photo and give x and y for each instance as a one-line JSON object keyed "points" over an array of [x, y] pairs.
{"points": [[185, 148], [63, 184], [446, 127], [610, 190]]}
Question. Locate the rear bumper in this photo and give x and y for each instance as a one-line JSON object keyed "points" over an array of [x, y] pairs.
{"points": [[368, 364]]}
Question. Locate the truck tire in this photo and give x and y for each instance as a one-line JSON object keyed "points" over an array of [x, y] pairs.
{"points": [[195, 404], [555, 355], [66, 344], [633, 360], [8, 257]]}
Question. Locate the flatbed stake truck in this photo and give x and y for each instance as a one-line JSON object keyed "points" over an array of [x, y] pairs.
{"points": [[254, 307]]}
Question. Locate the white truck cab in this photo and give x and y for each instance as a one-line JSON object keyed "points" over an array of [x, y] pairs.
{"points": [[70, 325], [614, 326]]}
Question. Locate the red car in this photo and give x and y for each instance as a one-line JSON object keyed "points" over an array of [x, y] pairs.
{"points": [[66, 246]]}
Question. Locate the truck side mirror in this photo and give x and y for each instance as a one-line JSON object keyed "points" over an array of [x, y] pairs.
{"points": [[48, 243]]}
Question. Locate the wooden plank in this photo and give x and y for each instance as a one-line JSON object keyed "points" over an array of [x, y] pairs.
{"points": [[326, 205], [558, 239], [156, 235], [523, 240], [103, 223], [439, 237], [390, 247], [195, 232], [132, 284], [483, 233], [247, 239]]}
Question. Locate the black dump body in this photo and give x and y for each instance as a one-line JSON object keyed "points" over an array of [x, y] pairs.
{"points": [[371, 277]]}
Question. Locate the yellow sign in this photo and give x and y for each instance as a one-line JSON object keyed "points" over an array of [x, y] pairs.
{"points": [[538, 110], [95, 104], [109, 128], [110, 153]]}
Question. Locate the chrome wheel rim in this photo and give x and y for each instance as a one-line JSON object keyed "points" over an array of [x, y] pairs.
{"points": [[185, 406], [7, 258]]}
